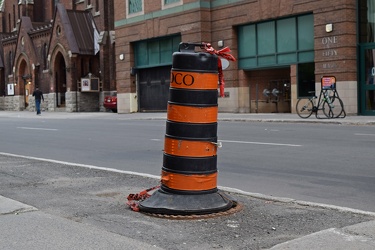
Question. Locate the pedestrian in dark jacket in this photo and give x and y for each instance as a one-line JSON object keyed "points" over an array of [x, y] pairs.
{"points": [[38, 98]]}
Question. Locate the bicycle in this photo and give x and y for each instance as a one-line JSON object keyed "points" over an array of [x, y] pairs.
{"points": [[329, 102]]}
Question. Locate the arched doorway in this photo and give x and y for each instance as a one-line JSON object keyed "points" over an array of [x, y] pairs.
{"points": [[60, 80]]}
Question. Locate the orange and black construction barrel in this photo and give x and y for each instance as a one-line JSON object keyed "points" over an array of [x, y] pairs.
{"points": [[189, 172]]}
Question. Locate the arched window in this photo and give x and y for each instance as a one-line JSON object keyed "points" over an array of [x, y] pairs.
{"points": [[14, 17], [9, 23], [97, 6], [90, 65], [44, 56], [10, 63]]}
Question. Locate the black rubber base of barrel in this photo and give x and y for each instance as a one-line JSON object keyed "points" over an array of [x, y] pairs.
{"points": [[162, 202]]}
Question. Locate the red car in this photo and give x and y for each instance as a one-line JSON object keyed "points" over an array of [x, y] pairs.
{"points": [[110, 102]]}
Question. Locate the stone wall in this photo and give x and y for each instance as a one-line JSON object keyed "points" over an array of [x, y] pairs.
{"points": [[88, 102], [12, 103]]}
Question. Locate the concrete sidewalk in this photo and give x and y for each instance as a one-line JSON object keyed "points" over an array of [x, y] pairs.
{"points": [[25, 227], [356, 237]]}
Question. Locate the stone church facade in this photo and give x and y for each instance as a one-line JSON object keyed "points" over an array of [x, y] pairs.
{"points": [[62, 47]]}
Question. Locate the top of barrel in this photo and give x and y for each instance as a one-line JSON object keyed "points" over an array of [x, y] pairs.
{"points": [[189, 47]]}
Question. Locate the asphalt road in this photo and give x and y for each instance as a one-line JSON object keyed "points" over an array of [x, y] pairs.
{"points": [[324, 163]]}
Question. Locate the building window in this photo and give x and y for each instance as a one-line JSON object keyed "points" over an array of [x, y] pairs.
{"points": [[97, 6], [367, 21], [306, 79], [14, 17], [156, 52], [10, 63], [58, 30], [170, 3], [134, 7], [9, 23], [275, 43], [44, 56]]}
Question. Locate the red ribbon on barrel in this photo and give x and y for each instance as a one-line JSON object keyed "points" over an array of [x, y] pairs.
{"points": [[222, 53]]}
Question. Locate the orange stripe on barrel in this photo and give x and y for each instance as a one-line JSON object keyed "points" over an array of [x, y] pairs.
{"points": [[189, 148], [192, 182], [189, 114], [194, 80]]}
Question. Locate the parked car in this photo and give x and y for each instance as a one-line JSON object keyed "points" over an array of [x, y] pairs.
{"points": [[110, 102]]}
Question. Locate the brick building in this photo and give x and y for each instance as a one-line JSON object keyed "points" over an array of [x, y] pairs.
{"points": [[283, 48], [63, 47]]}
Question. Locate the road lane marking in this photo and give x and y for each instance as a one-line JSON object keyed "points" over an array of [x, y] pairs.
{"points": [[364, 134], [262, 143], [44, 129]]}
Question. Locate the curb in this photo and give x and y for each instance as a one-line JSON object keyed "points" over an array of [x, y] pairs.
{"points": [[227, 189]]}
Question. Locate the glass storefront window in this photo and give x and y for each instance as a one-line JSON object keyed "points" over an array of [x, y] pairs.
{"points": [[366, 28], [306, 80], [370, 66], [276, 43], [367, 21], [155, 52], [266, 38], [370, 100], [368, 80]]}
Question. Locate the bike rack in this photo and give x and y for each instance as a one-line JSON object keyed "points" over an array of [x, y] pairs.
{"points": [[328, 83], [329, 96]]}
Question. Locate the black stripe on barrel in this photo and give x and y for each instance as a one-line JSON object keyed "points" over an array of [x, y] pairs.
{"points": [[193, 97], [189, 165], [192, 130]]}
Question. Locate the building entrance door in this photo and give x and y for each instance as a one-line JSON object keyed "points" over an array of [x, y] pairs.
{"points": [[153, 89], [367, 79], [27, 93]]}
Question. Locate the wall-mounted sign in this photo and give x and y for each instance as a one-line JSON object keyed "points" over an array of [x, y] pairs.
{"points": [[10, 89], [90, 84], [85, 84]]}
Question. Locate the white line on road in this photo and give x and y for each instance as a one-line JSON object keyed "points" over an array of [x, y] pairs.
{"points": [[45, 129], [263, 143], [364, 134]]}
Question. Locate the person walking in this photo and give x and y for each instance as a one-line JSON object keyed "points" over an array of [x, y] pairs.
{"points": [[38, 98]]}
